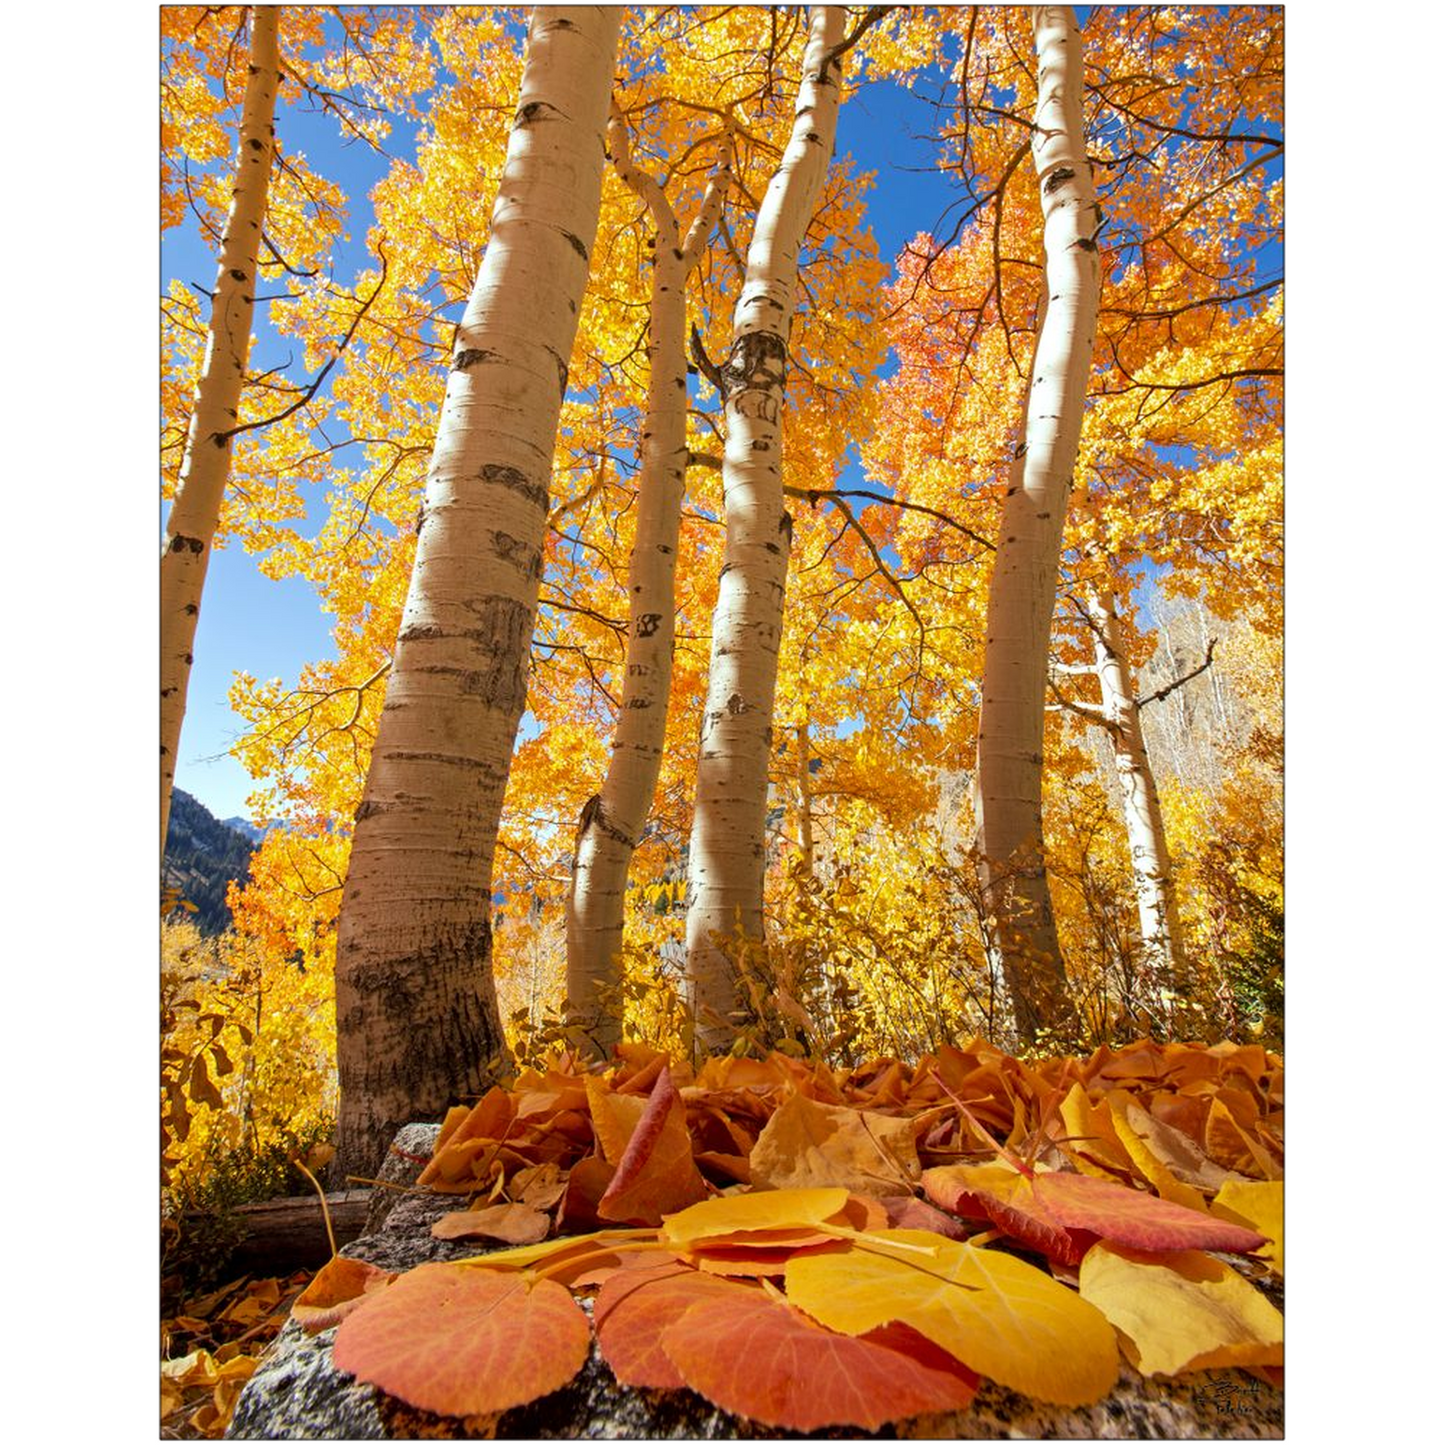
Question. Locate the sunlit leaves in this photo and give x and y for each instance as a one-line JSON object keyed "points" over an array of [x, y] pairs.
{"points": [[1004, 1318], [1182, 1311]]}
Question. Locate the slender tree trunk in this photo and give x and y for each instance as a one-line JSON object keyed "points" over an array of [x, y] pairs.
{"points": [[1026, 566], [416, 1012], [612, 821], [805, 802], [206, 467], [1163, 958], [727, 853]]}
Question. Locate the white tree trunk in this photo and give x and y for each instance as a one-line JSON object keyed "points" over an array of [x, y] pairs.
{"points": [[206, 466], [726, 856], [1159, 931], [1026, 565], [612, 821], [416, 1010]]}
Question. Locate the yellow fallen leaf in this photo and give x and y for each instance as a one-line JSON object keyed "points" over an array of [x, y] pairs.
{"points": [[1182, 1311], [1184, 1159], [766, 1209], [1260, 1205], [807, 1144], [1004, 1318], [1092, 1142], [614, 1117], [1166, 1184]]}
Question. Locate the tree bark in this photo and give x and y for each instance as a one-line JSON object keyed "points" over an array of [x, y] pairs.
{"points": [[1163, 958], [612, 821], [416, 1011], [206, 466], [726, 857], [1025, 578]]}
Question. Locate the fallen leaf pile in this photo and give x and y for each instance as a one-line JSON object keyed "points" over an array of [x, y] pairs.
{"points": [[806, 1248], [211, 1348]]}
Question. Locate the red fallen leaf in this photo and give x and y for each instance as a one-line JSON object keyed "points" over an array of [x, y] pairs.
{"points": [[1138, 1220], [463, 1341], [339, 1286], [758, 1356], [1061, 1215], [1005, 1198], [656, 1174], [633, 1308], [906, 1212]]}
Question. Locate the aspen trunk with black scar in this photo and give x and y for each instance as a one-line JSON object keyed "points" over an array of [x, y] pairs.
{"points": [[1164, 963], [1022, 589], [612, 823], [726, 855], [416, 1012], [206, 465]]}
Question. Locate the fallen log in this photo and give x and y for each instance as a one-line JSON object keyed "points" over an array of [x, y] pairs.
{"points": [[277, 1236]]}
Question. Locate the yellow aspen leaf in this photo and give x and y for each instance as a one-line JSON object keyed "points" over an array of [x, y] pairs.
{"points": [[734, 1213], [1091, 1137], [614, 1117], [583, 1249], [1004, 1318], [1260, 1205], [1182, 1311], [1184, 1159], [1231, 1145], [1147, 1163], [807, 1144]]}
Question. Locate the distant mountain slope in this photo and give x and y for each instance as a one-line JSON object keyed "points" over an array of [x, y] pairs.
{"points": [[246, 827], [202, 856]]}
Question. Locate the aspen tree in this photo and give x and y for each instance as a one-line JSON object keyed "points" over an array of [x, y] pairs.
{"points": [[191, 526], [1119, 713], [1024, 583], [612, 821], [726, 855], [416, 1011]]}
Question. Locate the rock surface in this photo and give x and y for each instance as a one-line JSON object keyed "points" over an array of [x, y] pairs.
{"points": [[298, 1394]]}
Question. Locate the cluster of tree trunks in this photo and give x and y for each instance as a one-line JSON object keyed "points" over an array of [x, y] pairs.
{"points": [[416, 1010]]}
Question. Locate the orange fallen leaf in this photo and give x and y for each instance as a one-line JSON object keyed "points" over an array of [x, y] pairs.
{"points": [[632, 1309], [339, 1287], [465, 1341], [1006, 1199], [807, 1144], [514, 1223], [757, 1356], [656, 1174], [587, 1182]]}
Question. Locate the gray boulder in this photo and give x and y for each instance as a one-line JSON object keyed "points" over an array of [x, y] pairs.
{"points": [[298, 1394]]}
